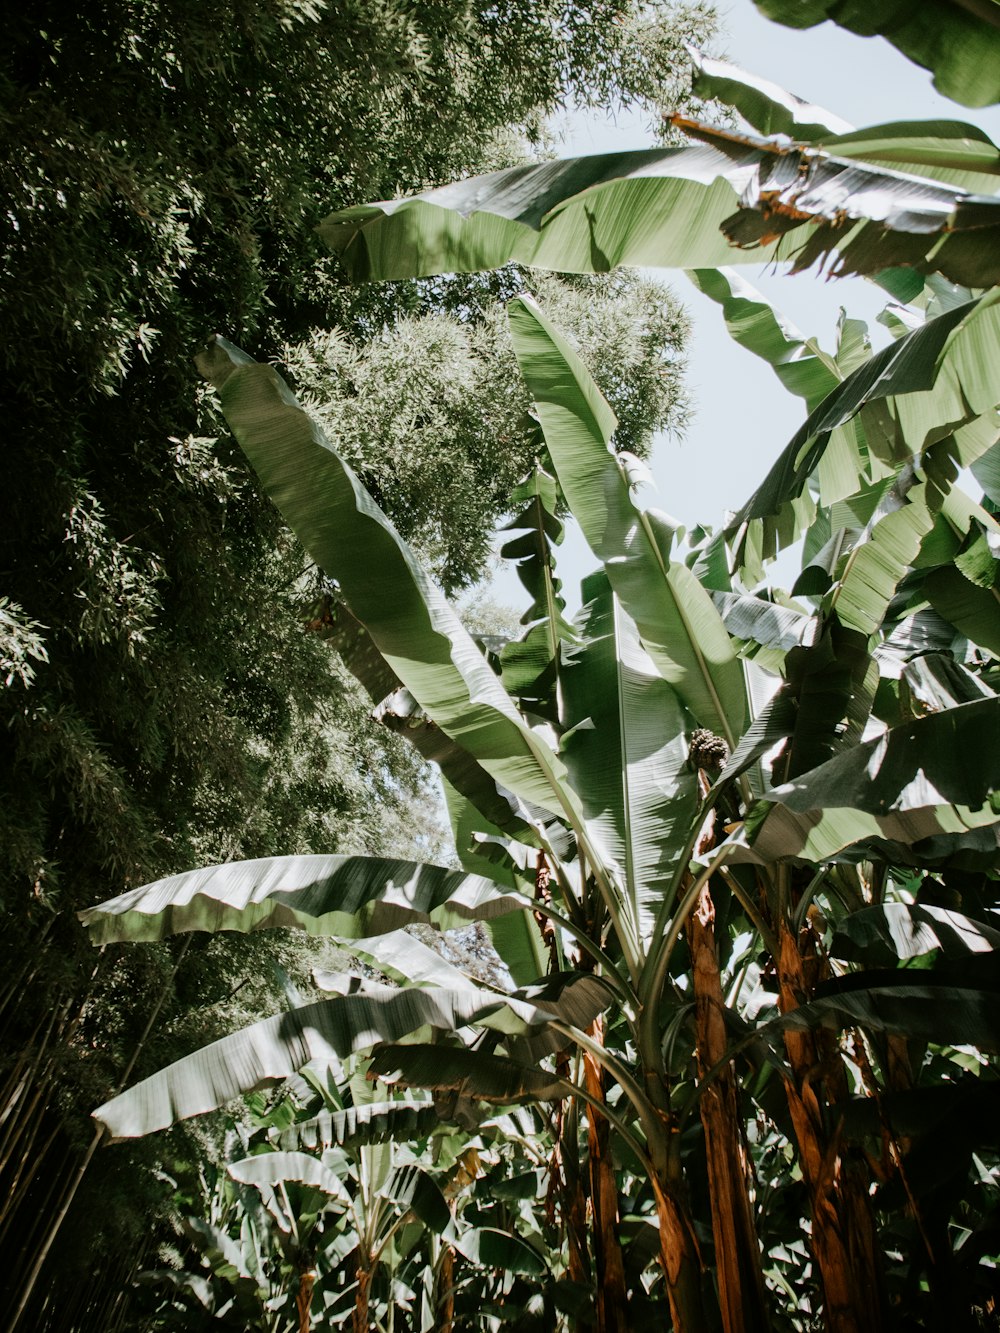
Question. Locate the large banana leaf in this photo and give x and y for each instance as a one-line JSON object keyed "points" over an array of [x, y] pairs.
{"points": [[347, 896], [952, 151], [937, 775], [952, 1004], [488, 1248], [763, 104], [387, 591], [881, 934], [958, 42], [413, 1189], [477, 1074], [798, 361], [934, 379], [273, 1049], [376, 1122], [679, 627], [678, 208], [266, 1171], [404, 960], [944, 150], [532, 664], [627, 754]]}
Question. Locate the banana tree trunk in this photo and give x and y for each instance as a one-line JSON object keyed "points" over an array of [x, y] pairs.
{"points": [[679, 1254], [843, 1231], [566, 1186], [742, 1295], [444, 1291], [303, 1299], [360, 1322], [612, 1293]]}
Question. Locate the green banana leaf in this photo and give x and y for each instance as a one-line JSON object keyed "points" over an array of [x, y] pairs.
{"points": [[937, 775], [476, 1074], [355, 1126], [755, 619], [531, 665], [952, 1004], [935, 379], [879, 935], [388, 592], [799, 362], [488, 1248], [943, 150], [952, 151], [677, 208], [959, 43], [626, 750], [679, 627], [413, 1189], [269, 1169], [271, 1050], [518, 941], [402, 958], [346, 896], [973, 610], [761, 103]]}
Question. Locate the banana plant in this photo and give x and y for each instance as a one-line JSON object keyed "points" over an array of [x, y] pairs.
{"points": [[623, 804]]}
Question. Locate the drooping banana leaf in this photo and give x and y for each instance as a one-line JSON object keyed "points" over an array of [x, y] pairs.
{"points": [[626, 750], [488, 1248], [269, 1169], [958, 42], [499, 808], [930, 382], [476, 1074], [271, 1050], [532, 664], [755, 619], [937, 775], [355, 1126], [346, 896], [943, 150], [763, 104], [519, 943], [413, 1189], [404, 959], [799, 362], [953, 1004], [388, 592], [881, 934], [679, 627], [949, 151], [677, 208]]}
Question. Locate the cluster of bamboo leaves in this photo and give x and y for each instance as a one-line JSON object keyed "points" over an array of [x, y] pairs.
{"points": [[737, 847]]}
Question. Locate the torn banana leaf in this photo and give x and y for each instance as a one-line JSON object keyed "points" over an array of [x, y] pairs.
{"points": [[679, 208], [347, 896]]}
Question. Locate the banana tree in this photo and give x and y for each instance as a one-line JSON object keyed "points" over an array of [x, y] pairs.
{"points": [[607, 787], [624, 894]]}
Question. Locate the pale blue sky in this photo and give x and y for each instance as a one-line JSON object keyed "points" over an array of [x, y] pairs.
{"points": [[741, 415]]}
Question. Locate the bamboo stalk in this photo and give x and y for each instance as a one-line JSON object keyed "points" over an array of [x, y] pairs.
{"points": [[77, 1178]]}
